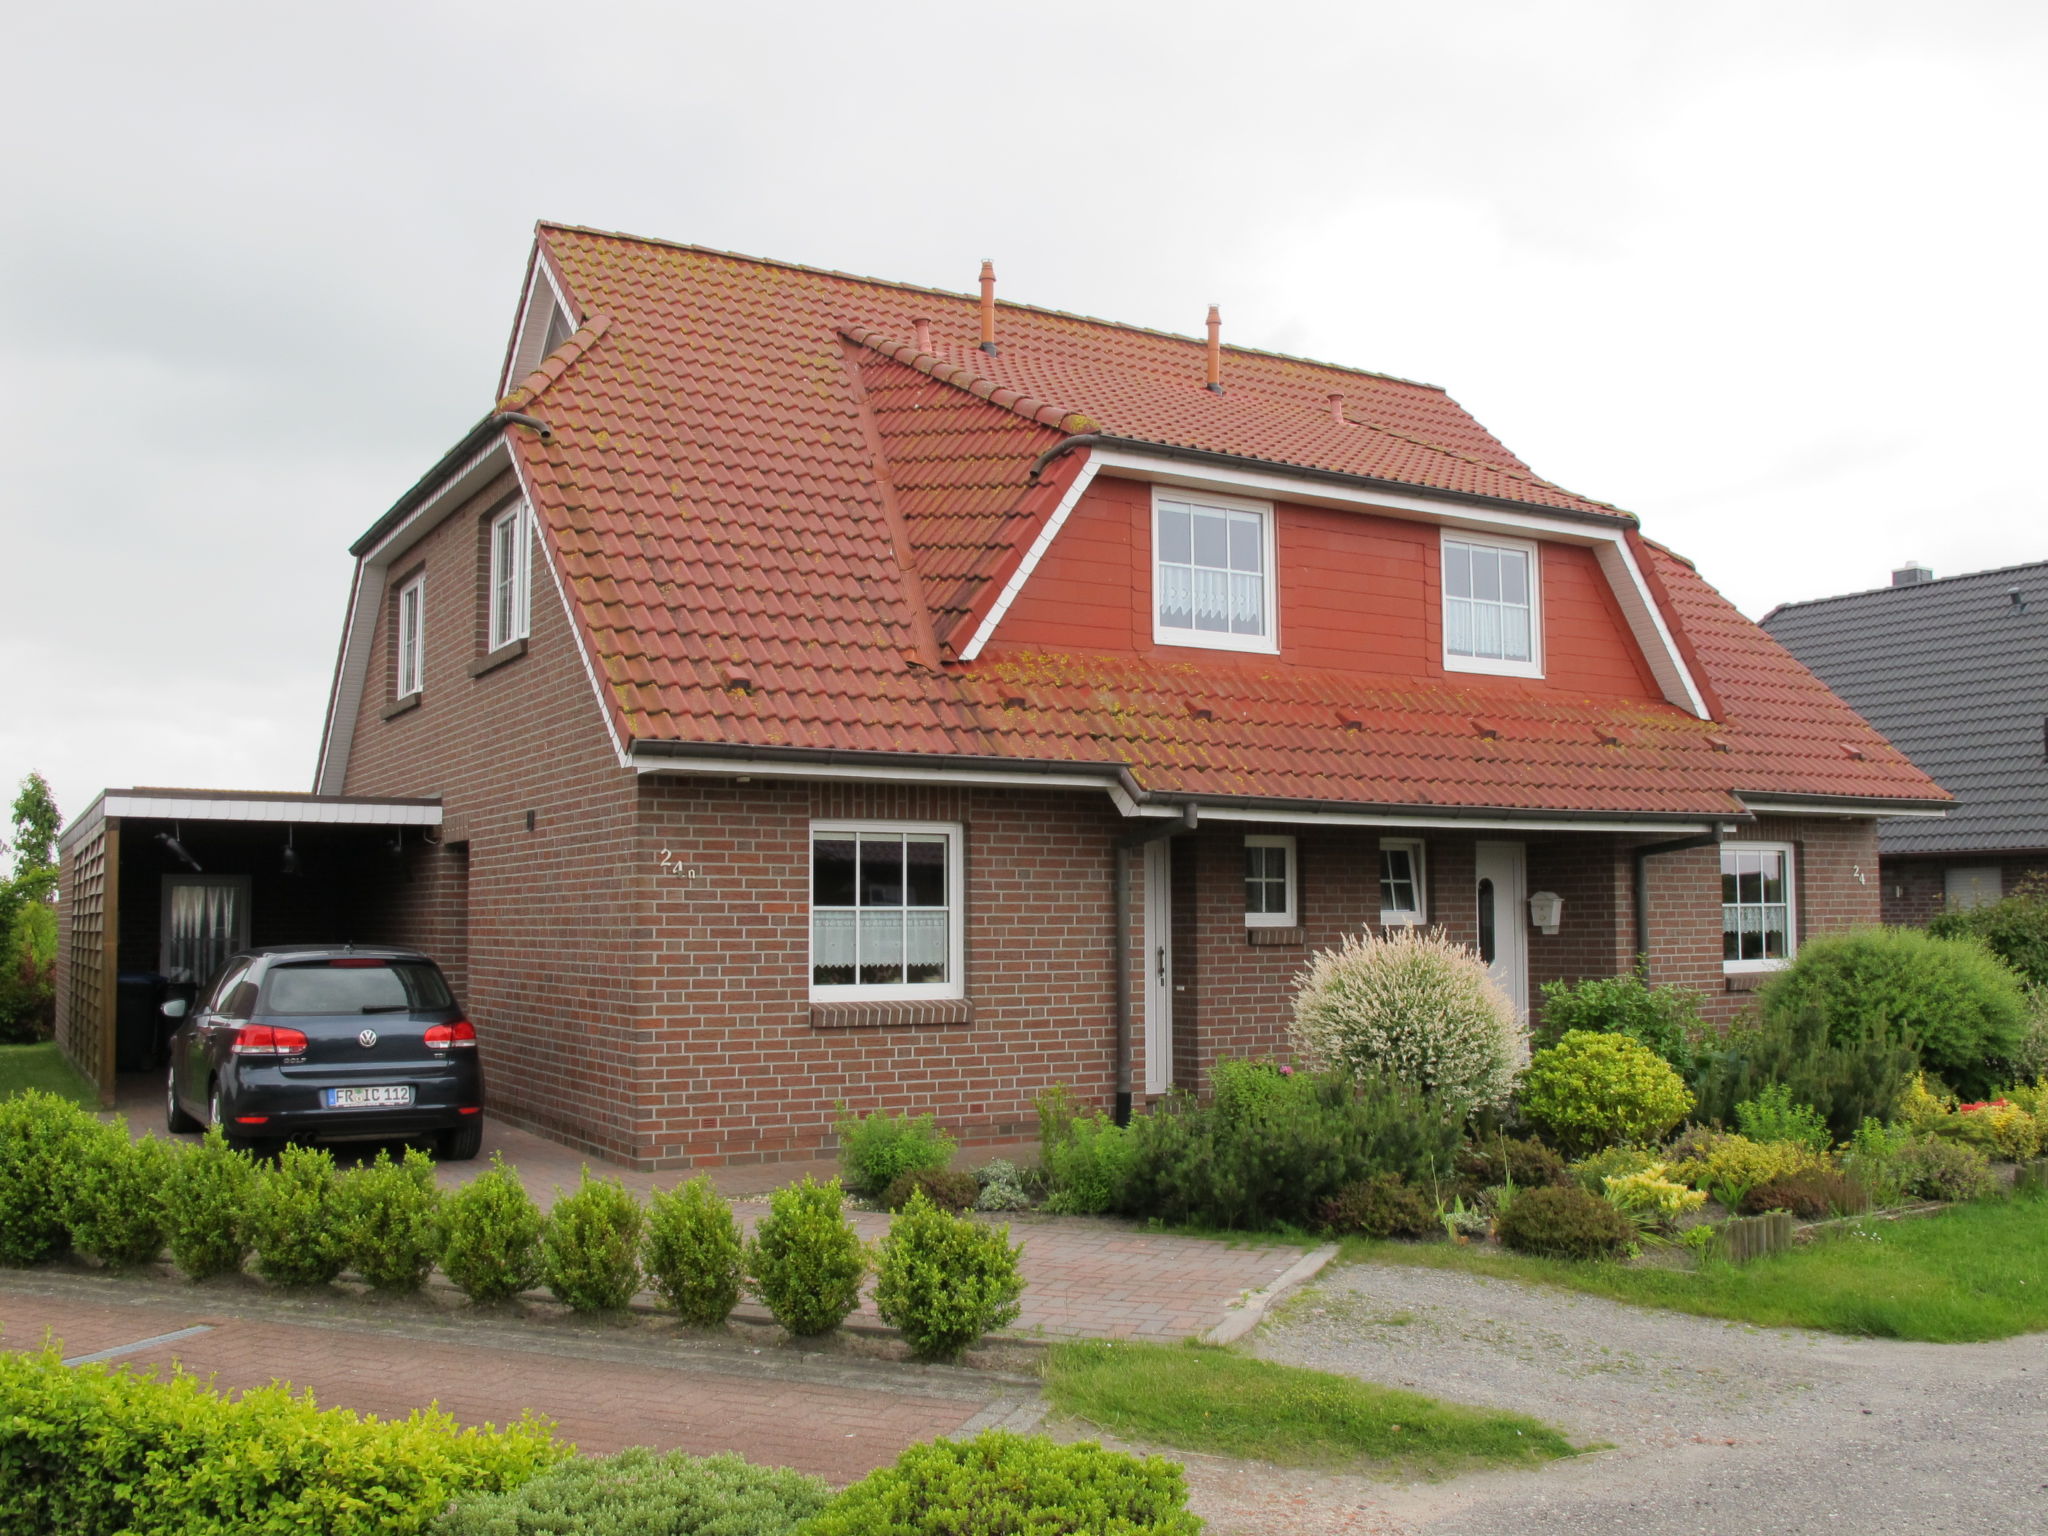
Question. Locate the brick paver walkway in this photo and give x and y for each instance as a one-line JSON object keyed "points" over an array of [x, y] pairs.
{"points": [[1084, 1277]]}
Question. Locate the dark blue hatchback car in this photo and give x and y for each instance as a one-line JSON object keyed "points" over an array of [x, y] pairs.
{"points": [[308, 1042]]}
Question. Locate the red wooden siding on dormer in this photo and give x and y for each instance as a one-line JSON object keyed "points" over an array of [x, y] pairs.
{"points": [[1356, 593]]}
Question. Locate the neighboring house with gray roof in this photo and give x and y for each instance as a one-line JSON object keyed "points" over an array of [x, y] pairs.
{"points": [[1954, 672]]}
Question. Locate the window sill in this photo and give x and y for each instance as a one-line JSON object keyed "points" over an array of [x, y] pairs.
{"points": [[1259, 937], [492, 660], [879, 1015], [403, 706], [1744, 981]]}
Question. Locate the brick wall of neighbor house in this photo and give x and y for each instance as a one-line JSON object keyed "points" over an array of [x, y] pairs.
{"points": [[740, 1066], [1915, 889], [550, 967]]}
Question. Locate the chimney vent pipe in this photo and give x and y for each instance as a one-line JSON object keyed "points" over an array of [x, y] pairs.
{"points": [[921, 335], [1215, 349], [988, 307], [1337, 409], [1911, 574]]}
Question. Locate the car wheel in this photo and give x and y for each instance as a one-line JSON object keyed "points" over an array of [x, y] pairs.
{"points": [[462, 1143], [176, 1121]]}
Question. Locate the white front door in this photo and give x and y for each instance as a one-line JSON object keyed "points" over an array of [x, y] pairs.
{"points": [[1159, 966], [1498, 881]]}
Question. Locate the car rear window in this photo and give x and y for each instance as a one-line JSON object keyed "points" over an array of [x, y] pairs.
{"points": [[355, 987]]}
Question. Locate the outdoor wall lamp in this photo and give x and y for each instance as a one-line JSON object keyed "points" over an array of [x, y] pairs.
{"points": [[1545, 908]]}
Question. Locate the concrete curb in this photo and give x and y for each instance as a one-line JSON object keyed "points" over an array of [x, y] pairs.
{"points": [[1250, 1312]]}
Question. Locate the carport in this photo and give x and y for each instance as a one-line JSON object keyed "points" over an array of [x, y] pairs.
{"points": [[158, 886]]}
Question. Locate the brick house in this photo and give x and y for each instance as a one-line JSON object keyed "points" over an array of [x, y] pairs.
{"points": [[839, 690], [1955, 672]]}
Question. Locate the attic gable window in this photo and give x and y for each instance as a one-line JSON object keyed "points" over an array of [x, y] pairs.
{"points": [[1212, 572], [511, 585], [1492, 609], [411, 636]]}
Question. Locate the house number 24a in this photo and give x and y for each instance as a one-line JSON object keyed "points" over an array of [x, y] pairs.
{"points": [[671, 865]]}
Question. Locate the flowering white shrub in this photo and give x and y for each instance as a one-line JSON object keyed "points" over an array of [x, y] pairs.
{"points": [[1416, 1005]]}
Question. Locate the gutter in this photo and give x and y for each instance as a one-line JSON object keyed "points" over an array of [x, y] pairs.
{"points": [[1325, 476], [1125, 848], [1642, 857], [427, 484]]}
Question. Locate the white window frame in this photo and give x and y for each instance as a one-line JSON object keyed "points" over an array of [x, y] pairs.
{"points": [[1785, 850], [1267, 644], [1496, 667], [956, 909], [1397, 917], [409, 636], [511, 596], [1290, 917]]}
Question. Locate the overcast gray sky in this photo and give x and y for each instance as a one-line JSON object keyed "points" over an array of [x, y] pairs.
{"points": [[1769, 275]]}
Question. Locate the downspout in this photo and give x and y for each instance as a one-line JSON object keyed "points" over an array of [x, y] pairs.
{"points": [[1125, 847], [1643, 855]]}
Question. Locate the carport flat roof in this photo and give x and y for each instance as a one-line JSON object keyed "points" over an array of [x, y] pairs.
{"points": [[254, 805]]}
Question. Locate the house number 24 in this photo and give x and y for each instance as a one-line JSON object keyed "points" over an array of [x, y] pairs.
{"points": [[671, 865]]}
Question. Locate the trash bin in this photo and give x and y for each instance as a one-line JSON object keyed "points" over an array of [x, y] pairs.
{"points": [[138, 1021]]}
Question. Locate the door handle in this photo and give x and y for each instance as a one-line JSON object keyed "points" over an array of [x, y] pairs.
{"points": [[1162, 964]]}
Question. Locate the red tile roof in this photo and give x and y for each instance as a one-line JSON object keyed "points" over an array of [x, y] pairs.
{"points": [[755, 475]]}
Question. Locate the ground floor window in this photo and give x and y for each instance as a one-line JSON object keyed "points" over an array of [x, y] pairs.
{"points": [[1269, 882], [885, 911], [1757, 924], [1400, 880]]}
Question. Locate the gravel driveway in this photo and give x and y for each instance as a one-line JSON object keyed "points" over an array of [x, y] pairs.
{"points": [[1716, 1427]]}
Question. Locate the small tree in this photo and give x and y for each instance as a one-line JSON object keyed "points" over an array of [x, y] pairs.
{"points": [[1415, 1005], [28, 919]]}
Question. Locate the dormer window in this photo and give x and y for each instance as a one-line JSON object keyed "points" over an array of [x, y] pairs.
{"points": [[1212, 572], [1492, 614]]}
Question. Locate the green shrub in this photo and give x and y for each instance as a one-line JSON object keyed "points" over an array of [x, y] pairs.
{"points": [[205, 1201], [1592, 1171], [1871, 1159], [640, 1493], [294, 1220], [1954, 1001], [1057, 1110], [42, 1138], [944, 1187], [389, 1214], [1933, 1169], [694, 1253], [1664, 1018], [1591, 1090], [115, 1209], [1564, 1223], [490, 1235], [92, 1449], [1385, 1205], [805, 1261], [1002, 1187], [1772, 1116], [999, 1484], [1498, 1159], [1649, 1199], [1811, 1194], [1845, 1082], [2014, 928], [875, 1150], [1087, 1170], [590, 1248], [1273, 1147], [1416, 1005], [943, 1281]]}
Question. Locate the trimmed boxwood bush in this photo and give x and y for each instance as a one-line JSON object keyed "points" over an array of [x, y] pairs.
{"points": [[1384, 1205], [92, 1449], [1952, 999], [389, 1214], [943, 1281], [1564, 1223], [490, 1236], [115, 1204], [1417, 1006], [294, 1221], [1665, 1018], [42, 1138], [640, 1493], [875, 1150], [590, 1248], [205, 1200], [694, 1253], [805, 1261], [1591, 1090], [944, 1187], [1000, 1484]]}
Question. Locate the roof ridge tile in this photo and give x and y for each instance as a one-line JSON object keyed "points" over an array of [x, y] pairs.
{"points": [[1055, 416]]}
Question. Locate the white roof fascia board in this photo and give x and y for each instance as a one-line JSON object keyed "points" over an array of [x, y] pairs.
{"points": [[1499, 823], [910, 773], [1646, 620], [543, 548], [527, 335], [1764, 805], [1032, 556], [457, 488], [84, 824], [307, 810]]}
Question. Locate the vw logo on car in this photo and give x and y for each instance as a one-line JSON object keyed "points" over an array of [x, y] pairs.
{"points": [[366, 1038]]}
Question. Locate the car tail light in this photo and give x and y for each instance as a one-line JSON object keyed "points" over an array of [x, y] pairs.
{"points": [[268, 1040], [461, 1035], [470, 1109], [252, 1119]]}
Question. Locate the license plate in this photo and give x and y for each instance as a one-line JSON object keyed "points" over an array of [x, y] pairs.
{"points": [[398, 1095]]}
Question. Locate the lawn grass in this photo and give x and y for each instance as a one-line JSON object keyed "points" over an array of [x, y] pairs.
{"points": [[1964, 1275], [40, 1066], [1198, 1398]]}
